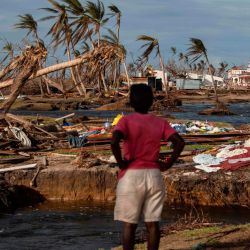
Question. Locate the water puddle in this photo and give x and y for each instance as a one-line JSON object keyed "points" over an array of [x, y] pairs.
{"points": [[84, 225]]}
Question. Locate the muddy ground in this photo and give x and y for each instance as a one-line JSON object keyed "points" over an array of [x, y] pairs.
{"points": [[207, 238], [93, 179], [111, 102]]}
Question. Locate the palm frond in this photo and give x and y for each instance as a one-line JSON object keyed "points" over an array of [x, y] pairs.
{"points": [[112, 37], [85, 47], [74, 7], [196, 49], [27, 22], [145, 38], [49, 10], [96, 11], [173, 50], [113, 8]]}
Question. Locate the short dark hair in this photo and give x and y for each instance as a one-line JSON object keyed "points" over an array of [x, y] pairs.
{"points": [[141, 97]]}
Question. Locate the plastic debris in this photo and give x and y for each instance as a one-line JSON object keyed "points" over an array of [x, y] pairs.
{"points": [[116, 119], [247, 143], [198, 126], [207, 159]]}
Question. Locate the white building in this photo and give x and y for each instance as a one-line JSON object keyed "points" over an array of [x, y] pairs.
{"points": [[159, 74], [207, 81], [239, 77], [188, 83]]}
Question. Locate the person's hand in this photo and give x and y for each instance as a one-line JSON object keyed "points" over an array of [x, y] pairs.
{"points": [[124, 164], [165, 165]]}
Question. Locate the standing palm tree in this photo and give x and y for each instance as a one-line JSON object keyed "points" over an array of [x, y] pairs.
{"points": [[80, 21], [96, 13], [117, 13], [114, 41], [173, 50], [28, 22], [61, 34], [222, 68], [151, 45], [196, 51], [9, 49]]}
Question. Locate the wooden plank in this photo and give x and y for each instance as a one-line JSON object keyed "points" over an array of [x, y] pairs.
{"points": [[30, 166], [7, 152], [13, 160], [27, 123], [64, 117]]}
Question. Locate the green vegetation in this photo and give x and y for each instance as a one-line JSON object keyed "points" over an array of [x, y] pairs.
{"points": [[64, 152]]}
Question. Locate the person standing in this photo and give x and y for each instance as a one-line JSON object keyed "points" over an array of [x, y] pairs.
{"points": [[140, 190]]}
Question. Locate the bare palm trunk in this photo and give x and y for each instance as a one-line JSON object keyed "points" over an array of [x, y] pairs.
{"points": [[72, 71], [90, 38], [99, 34], [54, 84], [104, 83], [80, 81], [48, 70], [43, 81], [19, 82], [114, 73], [213, 82], [41, 88], [12, 65], [165, 83], [126, 72]]}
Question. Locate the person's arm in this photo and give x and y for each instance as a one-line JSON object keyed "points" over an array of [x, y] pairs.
{"points": [[117, 136], [178, 145]]}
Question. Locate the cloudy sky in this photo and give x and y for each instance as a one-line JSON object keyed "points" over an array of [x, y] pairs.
{"points": [[223, 25]]}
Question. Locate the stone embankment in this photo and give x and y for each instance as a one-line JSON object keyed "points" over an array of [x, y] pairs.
{"points": [[63, 180]]}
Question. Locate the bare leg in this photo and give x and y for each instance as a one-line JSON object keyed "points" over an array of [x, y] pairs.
{"points": [[128, 236], [153, 235]]}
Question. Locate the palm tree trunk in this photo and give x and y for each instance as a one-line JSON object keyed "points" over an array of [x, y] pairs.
{"points": [[104, 83], [72, 70], [47, 88], [99, 34], [19, 81], [165, 83], [80, 80], [49, 70], [12, 65], [53, 84], [213, 82], [90, 38], [41, 88], [126, 72]]}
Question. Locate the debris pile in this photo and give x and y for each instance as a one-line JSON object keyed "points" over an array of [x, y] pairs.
{"points": [[199, 127], [227, 157]]}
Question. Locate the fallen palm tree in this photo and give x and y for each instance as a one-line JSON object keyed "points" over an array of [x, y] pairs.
{"points": [[97, 60], [27, 65]]}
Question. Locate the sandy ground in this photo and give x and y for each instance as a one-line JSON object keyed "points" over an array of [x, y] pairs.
{"points": [[223, 237], [229, 237]]}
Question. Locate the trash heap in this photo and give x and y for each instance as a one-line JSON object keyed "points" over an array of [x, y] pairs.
{"points": [[199, 127], [227, 157]]}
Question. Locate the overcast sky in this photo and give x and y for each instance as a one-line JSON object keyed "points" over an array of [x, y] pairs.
{"points": [[223, 25]]}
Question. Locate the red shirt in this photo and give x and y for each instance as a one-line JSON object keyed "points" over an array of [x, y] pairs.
{"points": [[142, 136]]}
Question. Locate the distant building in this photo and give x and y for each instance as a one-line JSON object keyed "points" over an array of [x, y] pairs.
{"points": [[137, 79], [194, 76], [239, 77], [159, 74], [188, 84], [207, 81], [155, 81]]}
